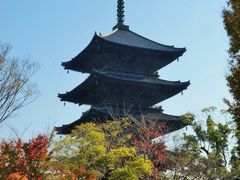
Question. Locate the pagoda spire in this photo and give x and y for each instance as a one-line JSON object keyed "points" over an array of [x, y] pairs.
{"points": [[120, 12], [120, 16]]}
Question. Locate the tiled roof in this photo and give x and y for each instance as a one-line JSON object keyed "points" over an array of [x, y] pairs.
{"points": [[148, 113], [139, 78], [103, 113], [130, 38]]}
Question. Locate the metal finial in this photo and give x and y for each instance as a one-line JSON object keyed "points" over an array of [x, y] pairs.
{"points": [[120, 11], [120, 17]]}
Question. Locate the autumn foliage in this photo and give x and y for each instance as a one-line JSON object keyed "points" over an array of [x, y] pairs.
{"points": [[106, 151], [122, 150], [20, 160], [147, 143]]}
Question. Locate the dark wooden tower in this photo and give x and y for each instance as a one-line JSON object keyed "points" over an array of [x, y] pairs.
{"points": [[123, 79]]}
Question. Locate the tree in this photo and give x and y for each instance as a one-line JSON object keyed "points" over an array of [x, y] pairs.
{"points": [[21, 160], [148, 142], [203, 154], [231, 16], [16, 90], [102, 151], [140, 133], [111, 150]]}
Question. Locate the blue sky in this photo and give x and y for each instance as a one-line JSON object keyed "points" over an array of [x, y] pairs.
{"points": [[54, 31]]}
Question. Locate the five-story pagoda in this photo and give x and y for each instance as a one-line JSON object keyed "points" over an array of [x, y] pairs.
{"points": [[123, 81]]}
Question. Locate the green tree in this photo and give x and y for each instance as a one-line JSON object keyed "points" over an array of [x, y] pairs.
{"points": [[204, 153], [231, 17], [16, 90], [95, 148]]}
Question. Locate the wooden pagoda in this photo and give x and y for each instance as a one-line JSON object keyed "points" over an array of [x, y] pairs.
{"points": [[123, 81]]}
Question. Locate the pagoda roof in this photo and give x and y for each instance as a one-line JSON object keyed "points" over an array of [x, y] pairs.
{"points": [[106, 87], [136, 78], [130, 38], [104, 113], [123, 50]]}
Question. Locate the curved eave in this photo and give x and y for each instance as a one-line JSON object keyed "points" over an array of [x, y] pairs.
{"points": [[135, 112], [92, 83], [134, 78], [101, 114], [80, 64], [69, 65]]}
